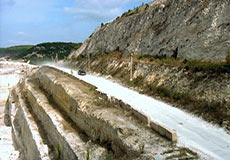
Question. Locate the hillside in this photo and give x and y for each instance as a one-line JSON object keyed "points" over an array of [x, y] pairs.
{"points": [[49, 51], [15, 51], [181, 54], [181, 28], [199, 88]]}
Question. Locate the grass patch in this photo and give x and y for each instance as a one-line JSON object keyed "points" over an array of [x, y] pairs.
{"points": [[109, 156], [190, 65], [88, 153], [90, 90], [211, 111], [136, 82], [159, 59], [130, 12], [211, 67], [182, 152], [58, 152], [165, 92]]}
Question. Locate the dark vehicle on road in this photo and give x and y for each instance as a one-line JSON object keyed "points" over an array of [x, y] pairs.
{"points": [[81, 72]]}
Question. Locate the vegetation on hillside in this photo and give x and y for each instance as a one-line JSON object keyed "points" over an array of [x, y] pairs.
{"points": [[130, 12], [49, 51], [42, 52], [135, 10], [196, 70], [192, 65], [14, 52]]}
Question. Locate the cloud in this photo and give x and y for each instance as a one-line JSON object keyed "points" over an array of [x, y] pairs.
{"points": [[98, 10], [21, 33]]}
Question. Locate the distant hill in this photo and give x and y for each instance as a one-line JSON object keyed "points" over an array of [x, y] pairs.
{"points": [[49, 51], [41, 52], [15, 51]]}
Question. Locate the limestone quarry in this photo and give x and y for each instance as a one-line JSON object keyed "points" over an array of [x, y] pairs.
{"points": [[50, 112], [191, 32], [54, 115], [176, 51]]}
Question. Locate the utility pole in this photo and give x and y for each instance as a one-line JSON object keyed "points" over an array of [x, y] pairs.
{"points": [[131, 67]]}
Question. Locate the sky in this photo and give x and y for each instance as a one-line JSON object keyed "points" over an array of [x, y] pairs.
{"points": [[29, 22]]}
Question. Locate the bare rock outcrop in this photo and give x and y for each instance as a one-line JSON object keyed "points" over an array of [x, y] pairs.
{"points": [[183, 28], [54, 115]]}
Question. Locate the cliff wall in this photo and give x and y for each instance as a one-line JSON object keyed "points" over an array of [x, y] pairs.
{"points": [[184, 28]]}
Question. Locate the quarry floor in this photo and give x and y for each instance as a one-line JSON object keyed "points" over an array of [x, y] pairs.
{"points": [[7, 149], [9, 76], [209, 140]]}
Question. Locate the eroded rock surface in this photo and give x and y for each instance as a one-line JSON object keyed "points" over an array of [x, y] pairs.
{"points": [[55, 115], [183, 28], [10, 73]]}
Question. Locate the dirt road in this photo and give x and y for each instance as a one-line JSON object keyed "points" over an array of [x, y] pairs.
{"points": [[192, 131]]}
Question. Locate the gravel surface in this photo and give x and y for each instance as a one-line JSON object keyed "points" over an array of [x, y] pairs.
{"points": [[10, 73]]}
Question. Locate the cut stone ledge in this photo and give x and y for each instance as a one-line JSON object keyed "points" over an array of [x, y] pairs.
{"points": [[159, 128]]}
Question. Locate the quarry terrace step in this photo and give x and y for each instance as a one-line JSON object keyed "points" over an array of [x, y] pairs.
{"points": [[69, 141], [57, 116], [25, 130], [98, 118]]}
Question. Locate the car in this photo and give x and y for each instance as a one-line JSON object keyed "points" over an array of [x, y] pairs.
{"points": [[81, 72]]}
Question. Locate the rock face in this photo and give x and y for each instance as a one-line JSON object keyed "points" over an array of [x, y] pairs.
{"points": [[54, 115], [183, 28]]}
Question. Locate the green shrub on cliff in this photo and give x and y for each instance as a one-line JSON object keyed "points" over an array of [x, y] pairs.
{"points": [[130, 12]]}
